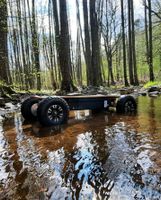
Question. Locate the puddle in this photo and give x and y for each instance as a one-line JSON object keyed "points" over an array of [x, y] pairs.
{"points": [[101, 156]]}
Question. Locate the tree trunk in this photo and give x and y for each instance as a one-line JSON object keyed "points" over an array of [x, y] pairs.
{"points": [[146, 32], [4, 65], [64, 53], [96, 68], [28, 48], [151, 73], [136, 81], [109, 60], [35, 46], [87, 44], [51, 50], [78, 60], [124, 43], [57, 31], [131, 75]]}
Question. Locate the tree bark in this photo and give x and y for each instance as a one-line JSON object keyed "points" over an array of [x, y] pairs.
{"points": [[96, 68], [51, 49], [131, 74], [146, 32], [109, 60], [4, 65], [124, 43], [57, 30], [64, 53], [151, 73], [35, 46], [88, 57], [136, 81], [78, 59]]}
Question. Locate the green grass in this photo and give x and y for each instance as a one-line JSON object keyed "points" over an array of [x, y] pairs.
{"points": [[2, 83], [150, 84]]}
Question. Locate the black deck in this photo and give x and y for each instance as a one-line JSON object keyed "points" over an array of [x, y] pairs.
{"points": [[91, 102]]}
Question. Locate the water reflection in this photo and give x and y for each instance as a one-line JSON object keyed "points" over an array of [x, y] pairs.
{"points": [[103, 156], [3, 158]]}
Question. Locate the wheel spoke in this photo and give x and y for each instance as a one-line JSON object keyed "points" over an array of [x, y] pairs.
{"points": [[55, 113], [129, 106]]}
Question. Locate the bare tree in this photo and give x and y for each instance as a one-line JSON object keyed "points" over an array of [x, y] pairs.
{"points": [[150, 52], [57, 31], [130, 55], [111, 38], [124, 43], [146, 31], [136, 81], [51, 48], [88, 58], [78, 59], [4, 66], [35, 46]]}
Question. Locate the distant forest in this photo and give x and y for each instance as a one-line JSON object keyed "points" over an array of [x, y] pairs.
{"points": [[113, 44]]}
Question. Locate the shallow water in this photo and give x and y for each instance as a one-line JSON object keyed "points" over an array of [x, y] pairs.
{"points": [[101, 156]]}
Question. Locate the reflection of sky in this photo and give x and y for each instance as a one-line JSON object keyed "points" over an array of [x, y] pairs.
{"points": [[84, 156], [3, 163]]}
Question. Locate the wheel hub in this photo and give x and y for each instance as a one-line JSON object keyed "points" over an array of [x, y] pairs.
{"points": [[129, 106], [55, 113]]}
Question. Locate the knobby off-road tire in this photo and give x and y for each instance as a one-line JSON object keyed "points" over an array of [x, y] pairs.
{"points": [[53, 111], [26, 108], [126, 104]]}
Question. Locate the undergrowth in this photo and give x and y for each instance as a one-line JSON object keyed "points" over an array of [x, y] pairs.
{"points": [[150, 84]]}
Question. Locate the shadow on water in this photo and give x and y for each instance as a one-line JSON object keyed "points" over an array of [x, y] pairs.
{"points": [[103, 156]]}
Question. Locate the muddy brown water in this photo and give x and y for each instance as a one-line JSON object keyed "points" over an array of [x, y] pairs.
{"points": [[101, 156]]}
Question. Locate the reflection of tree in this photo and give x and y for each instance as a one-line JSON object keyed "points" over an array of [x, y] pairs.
{"points": [[4, 174], [31, 175], [15, 165], [152, 119], [147, 114]]}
